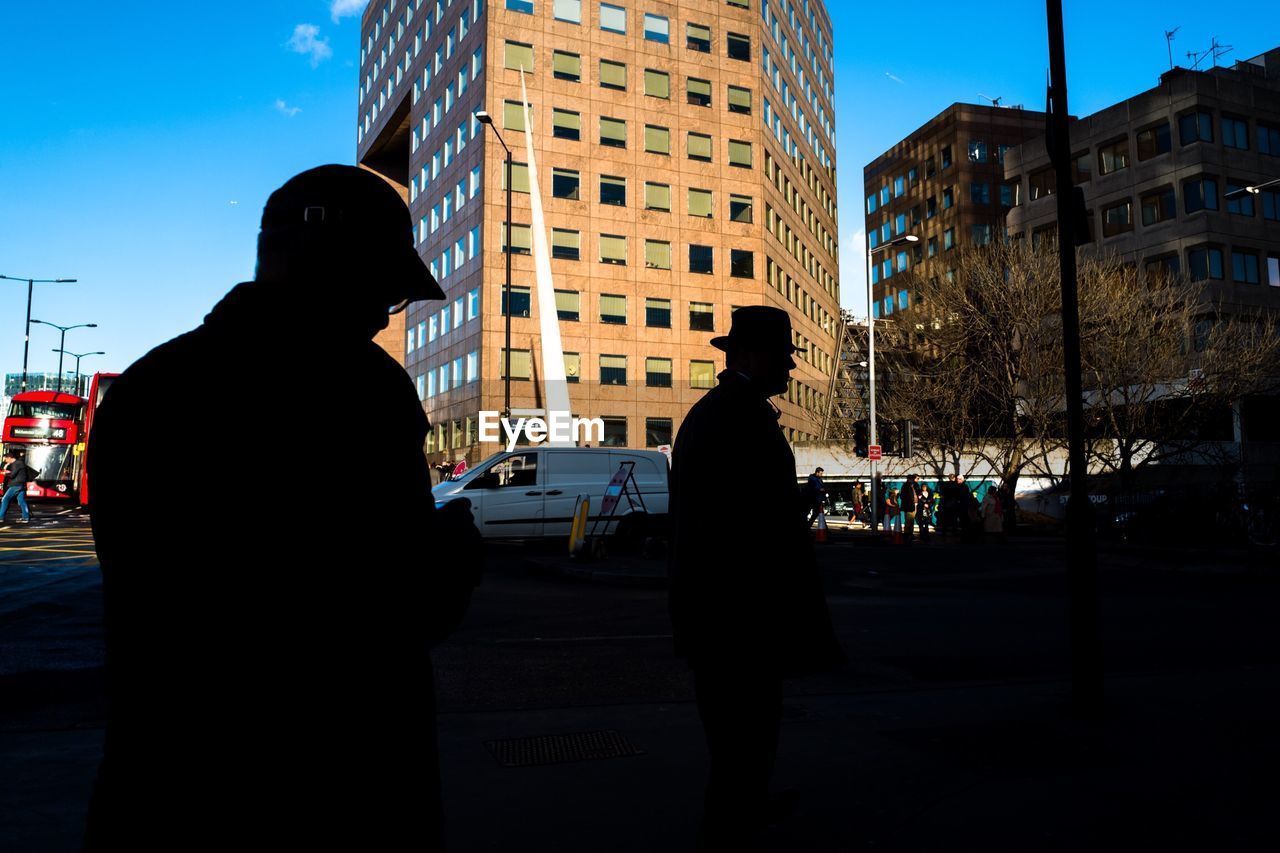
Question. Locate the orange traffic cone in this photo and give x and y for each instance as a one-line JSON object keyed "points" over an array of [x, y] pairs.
{"points": [[820, 535]]}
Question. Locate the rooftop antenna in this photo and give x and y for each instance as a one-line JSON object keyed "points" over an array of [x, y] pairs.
{"points": [[1218, 50], [1168, 37], [1197, 57], [995, 102]]}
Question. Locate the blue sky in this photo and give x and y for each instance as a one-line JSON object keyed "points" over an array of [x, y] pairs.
{"points": [[142, 139]]}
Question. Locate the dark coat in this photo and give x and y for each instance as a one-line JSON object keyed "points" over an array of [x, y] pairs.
{"points": [[268, 630], [18, 473], [744, 583]]}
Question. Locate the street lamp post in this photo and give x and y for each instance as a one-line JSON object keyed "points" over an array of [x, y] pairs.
{"points": [[487, 120], [77, 356], [26, 330], [1253, 189], [871, 365], [62, 342]]}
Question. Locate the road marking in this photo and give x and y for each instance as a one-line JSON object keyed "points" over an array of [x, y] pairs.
{"points": [[586, 639], [48, 550]]}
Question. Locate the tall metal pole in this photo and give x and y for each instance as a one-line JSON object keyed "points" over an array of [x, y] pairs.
{"points": [[507, 291], [871, 386], [1086, 643], [62, 342], [26, 342]]}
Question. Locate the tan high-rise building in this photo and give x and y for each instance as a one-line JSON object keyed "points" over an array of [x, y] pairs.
{"points": [[686, 161]]}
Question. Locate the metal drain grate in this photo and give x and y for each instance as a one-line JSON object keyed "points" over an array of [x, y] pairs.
{"points": [[561, 749]]}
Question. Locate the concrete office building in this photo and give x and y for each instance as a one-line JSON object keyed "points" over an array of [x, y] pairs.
{"points": [[686, 167], [1162, 174]]}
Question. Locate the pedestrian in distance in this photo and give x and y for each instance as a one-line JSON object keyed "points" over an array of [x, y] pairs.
{"points": [[747, 609], [17, 473], [992, 513], [907, 498], [924, 511], [815, 495], [268, 655]]}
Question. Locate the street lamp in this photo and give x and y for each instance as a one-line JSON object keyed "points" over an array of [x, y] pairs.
{"points": [[63, 340], [487, 120], [77, 356], [26, 330], [871, 364], [1252, 190]]}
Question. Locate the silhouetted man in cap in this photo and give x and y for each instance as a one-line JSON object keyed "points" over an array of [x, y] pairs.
{"points": [[747, 605], [268, 637]]}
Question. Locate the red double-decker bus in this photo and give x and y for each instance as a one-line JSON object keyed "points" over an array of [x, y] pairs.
{"points": [[47, 426], [97, 389]]}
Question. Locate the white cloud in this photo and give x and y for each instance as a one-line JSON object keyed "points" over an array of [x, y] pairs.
{"points": [[306, 40], [285, 109], [346, 8]]}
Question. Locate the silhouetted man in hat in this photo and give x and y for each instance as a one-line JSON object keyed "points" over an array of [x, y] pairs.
{"points": [[271, 609], [747, 605]]}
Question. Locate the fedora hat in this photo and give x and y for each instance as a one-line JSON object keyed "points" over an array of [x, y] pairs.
{"points": [[758, 327]]}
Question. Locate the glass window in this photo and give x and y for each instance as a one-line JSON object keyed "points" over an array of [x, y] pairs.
{"points": [[980, 192], [699, 147], [657, 28], [566, 124], [613, 19], [702, 317], [473, 303], [739, 100], [1200, 194], [657, 431], [1270, 204], [657, 196], [946, 156], [613, 190], [1113, 156], [657, 84], [657, 372], [740, 208], [977, 151], [739, 153], [1167, 266], [1195, 127], [519, 301], [525, 6], [738, 46], [701, 259], [1154, 141], [613, 75], [1244, 267], [657, 140], [613, 132], [519, 180], [698, 92], [572, 367], [519, 56], [1117, 219], [566, 66], [948, 198], [1159, 206], [567, 10], [568, 305], [521, 238], [513, 115], [1204, 262], [700, 203], [948, 239], [1268, 140], [698, 37], [741, 263], [1235, 134], [1010, 194], [930, 207], [1273, 270], [1043, 183], [615, 432], [702, 374], [657, 254], [1241, 203], [613, 309], [565, 183], [613, 370], [613, 249], [657, 313], [520, 364], [565, 244]]}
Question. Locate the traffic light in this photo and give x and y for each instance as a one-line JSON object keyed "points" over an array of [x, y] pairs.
{"points": [[904, 439], [860, 438]]}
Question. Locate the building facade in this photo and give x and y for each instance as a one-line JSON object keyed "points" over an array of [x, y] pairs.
{"points": [[1164, 176], [685, 157]]}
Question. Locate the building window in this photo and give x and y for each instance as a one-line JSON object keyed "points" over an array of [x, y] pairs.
{"points": [[701, 259], [613, 19], [657, 196], [1081, 168], [700, 203], [657, 254], [1235, 133], [657, 28], [1011, 194], [513, 115], [1042, 183], [613, 132], [657, 313], [899, 186], [519, 301], [980, 192], [742, 263], [948, 239], [932, 248], [524, 6], [702, 317], [1244, 267], [615, 432], [1268, 140], [613, 310], [1242, 203], [566, 66], [657, 140], [698, 92], [657, 372], [613, 249], [1113, 156], [1195, 127], [946, 156], [567, 10], [738, 46], [1117, 219], [521, 238], [613, 370], [740, 208], [1204, 262], [739, 153], [657, 84], [698, 37], [657, 432], [568, 304], [572, 367], [613, 190], [702, 374], [1270, 205], [699, 147], [519, 56], [566, 124], [613, 75], [948, 198], [566, 245], [977, 151], [519, 181], [1164, 267], [1273, 270], [930, 207], [1154, 141], [980, 233], [739, 100], [1200, 194], [520, 364], [1159, 206]]}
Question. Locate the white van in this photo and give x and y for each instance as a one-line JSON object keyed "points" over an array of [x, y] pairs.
{"points": [[531, 492]]}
